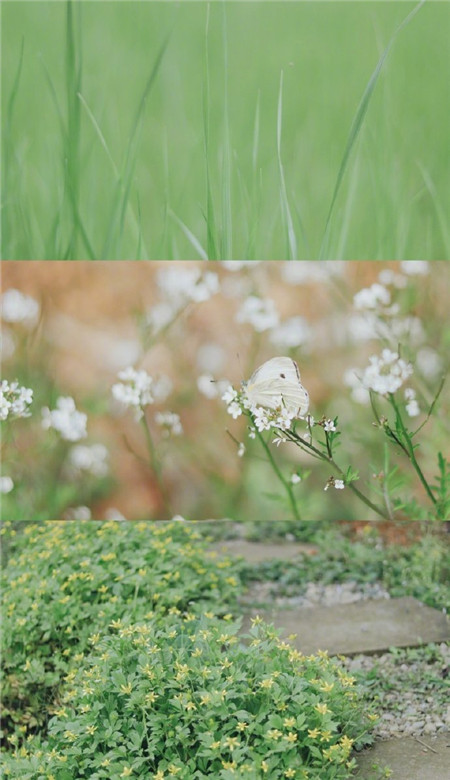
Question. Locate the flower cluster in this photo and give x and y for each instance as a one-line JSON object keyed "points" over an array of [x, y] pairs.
{"points": [[92, 459], [261, 313], [65, 419], [179, 287], [386, 373], [264, 419], [136, 390], [17, 307], [412, 406], [15, 401], [170, 423]]}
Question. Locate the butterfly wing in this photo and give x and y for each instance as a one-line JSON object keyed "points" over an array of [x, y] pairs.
{"points": [[278, 378]]}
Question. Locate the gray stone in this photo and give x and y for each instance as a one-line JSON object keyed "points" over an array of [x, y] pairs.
{"points": [[257, 552], [362, 627], [409, 758]]}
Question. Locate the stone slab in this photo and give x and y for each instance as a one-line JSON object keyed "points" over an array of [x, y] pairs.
{"points": [[257, 552], [370, 626], [408, 758]]}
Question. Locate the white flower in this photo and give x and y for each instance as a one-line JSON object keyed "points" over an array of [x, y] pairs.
{"points": [[284, 419], [387, 373], [237, 265], [291, 333], [329, 426], [415, 267], [181, 285], [413, 408], [241, 450], [261, 313], [170, 422], [251, 432], [6, 484], [229, 395], [234, 409], [359, 393], [79, 513], [113, 514], [65, 419], [372, 297], [388, 276], [17, 307], [278, 440], [14, 400], [301, 271], [90, 458], [261, 419], [295, 479], [135, 390], [160, 315], [339, 484]]}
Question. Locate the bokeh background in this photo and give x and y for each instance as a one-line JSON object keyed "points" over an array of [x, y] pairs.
{"points": [[91, 170], [98, 318]]}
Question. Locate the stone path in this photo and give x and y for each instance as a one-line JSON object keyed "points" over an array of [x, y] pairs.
{"points": [[409, 758], [257, 552], [364, 627], [369, 626]]}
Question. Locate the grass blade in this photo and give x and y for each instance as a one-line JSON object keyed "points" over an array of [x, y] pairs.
{"points": [[357, 123]]}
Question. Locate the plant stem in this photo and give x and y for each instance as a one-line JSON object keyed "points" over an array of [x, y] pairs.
{"points": [[409, 449], [277, 471], [155, 465], [321, 456]]}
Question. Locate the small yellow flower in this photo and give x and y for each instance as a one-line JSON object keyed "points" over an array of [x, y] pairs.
{"points": [[322, 708], [264, 766], [229, 765], [256, 620], [126, 688], [159, 775], [215, 745], [291, 737], [205, 699], [173, 770], [150, 698], [326, 687], [231, 742], [106, 762], [313, 733], [267, 683], [289, 773], [274, 734], [241, 726], [289, 723], [127, 772], [91, 729]]}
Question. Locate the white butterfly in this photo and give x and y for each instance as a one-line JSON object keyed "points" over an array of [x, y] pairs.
{"points": [[278, 378]]}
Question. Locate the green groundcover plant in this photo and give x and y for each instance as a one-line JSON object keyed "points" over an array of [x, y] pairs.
{"points": [[187, 699], [66, 580]]}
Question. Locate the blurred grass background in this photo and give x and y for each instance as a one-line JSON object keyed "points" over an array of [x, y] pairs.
{"points": [[91, 171]]}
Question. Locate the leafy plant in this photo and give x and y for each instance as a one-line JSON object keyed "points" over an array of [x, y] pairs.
{"points": [[187, 699], [63, 580]]}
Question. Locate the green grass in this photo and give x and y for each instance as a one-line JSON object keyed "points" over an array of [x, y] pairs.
{"points": [[268, 130]]}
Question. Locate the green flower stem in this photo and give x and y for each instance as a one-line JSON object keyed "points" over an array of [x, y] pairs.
{"points": [[155, 464], [409, 449], [280, 476], [321, 456]]}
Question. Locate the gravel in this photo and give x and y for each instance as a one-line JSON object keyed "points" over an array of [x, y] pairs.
{"points": [[315, 594], [410, 690]]}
